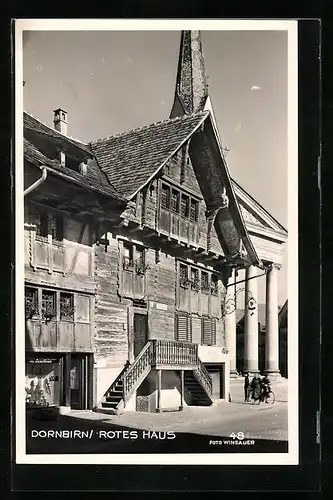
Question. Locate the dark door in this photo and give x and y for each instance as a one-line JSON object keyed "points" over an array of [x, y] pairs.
{"points": [[79, 381], [140, 328], [215, 372]]}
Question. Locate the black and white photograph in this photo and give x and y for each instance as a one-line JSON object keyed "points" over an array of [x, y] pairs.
{"points": [[156, 226]]}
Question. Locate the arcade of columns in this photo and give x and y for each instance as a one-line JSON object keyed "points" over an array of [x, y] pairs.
{"points": [[251, 348]]}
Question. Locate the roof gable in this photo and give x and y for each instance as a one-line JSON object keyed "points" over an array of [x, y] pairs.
{"points": [[131, 159], [35, 126], [254, 215], [94, 178]]}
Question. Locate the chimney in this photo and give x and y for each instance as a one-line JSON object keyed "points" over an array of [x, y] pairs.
{"points": [[60, 120], [60, 124]]}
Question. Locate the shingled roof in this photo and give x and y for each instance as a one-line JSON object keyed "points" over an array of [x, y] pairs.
{"points": [[31, 123], [131, 159], [94, 178]]}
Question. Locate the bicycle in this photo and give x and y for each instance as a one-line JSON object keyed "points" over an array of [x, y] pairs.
{"points": [[269, 397]]}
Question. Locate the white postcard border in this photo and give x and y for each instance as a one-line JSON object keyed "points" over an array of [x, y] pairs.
{"points": [[290, 458]]}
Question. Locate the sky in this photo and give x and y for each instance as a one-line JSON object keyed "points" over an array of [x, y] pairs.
{"points": [[111, 82]]}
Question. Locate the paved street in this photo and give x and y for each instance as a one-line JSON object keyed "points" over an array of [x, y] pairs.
{"points": [[195, 429]]}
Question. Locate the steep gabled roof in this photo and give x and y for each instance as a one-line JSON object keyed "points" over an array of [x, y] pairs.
{"points": [[93, 180], [33, 124], [131, 159]]}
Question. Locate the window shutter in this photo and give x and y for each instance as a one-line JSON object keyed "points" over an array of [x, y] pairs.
{"points": [[213, 331], [183, 327], [209, 331]]}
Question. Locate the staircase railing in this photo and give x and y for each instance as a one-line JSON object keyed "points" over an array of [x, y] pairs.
{"points": [[204, 378], [161, 352], [137, 371], [170, 352], [117, 379]]}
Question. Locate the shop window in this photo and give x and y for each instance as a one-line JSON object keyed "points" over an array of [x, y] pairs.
{"points": [[42, 382], [49, 310], [66, 306], [208, 331], [31, 302]]}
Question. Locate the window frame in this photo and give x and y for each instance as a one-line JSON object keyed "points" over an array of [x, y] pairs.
{"points": [[35, 302], [71, 296], [167, 191], [49, 313]]}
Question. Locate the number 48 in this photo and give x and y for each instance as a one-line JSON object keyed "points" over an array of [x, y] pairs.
{"points": [[239, 435]]}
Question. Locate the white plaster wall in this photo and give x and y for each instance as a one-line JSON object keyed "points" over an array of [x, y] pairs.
{"points": [[170, 393], [104, 377], [212, 354]]}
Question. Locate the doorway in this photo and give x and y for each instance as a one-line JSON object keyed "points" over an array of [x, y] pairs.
{"points": [[140, 331], [78, 381], [216, 373]]}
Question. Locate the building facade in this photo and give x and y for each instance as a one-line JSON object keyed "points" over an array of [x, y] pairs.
{"points": [[131, 247]]}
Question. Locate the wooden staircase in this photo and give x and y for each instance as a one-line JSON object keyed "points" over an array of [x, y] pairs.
{"points": [[114, 396], [198, 394], [160, 354]]}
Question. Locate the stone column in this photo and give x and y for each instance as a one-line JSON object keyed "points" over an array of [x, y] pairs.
{"points": [[251, 347], [230, 324], [272, 323]]}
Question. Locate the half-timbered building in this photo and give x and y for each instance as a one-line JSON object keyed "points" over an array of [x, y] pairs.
{"points": [[130, 245]]}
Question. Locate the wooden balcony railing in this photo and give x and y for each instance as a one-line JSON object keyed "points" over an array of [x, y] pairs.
{"points": [[169, 352]]}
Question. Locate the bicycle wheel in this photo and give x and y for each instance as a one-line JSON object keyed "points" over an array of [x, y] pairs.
{"points": [[270, 398]]}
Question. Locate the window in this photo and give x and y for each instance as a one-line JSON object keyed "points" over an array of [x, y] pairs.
{"points": [[214, 284], [48, 304], [66, 306], [194, 211], [204, 281], [57, 228], [140, 260], [183, 276], [179, 203], [208, 331], [175, 201], [165, 196], [42, 225], [127, 256], [183, 324], [195, 281], [31, 302], [184, 204]]}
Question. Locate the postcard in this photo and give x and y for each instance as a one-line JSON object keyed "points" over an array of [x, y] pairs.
{"points": [[156, 181]]}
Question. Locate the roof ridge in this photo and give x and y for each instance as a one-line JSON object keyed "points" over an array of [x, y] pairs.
{"points": [[56, 131], [137, 129]]}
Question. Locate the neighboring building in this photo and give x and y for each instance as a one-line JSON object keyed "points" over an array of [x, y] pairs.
{"points": [[130, 244], [283, 319], [240, 329]]}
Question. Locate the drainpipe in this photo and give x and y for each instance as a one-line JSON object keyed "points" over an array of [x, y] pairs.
{"points": [[38, 182]]}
